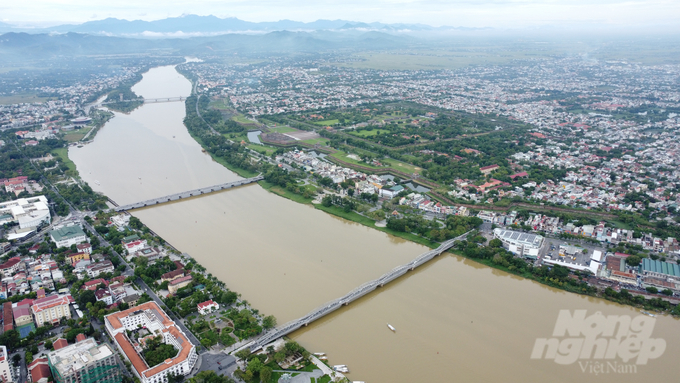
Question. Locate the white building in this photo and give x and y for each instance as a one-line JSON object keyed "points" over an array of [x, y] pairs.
{"points": [[27, 212], [5, 373], [81, 361], [156, 321], [207, 307], [67, 236], [523, 244]]}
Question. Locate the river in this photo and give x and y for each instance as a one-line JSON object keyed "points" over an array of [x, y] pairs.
{"points": [[456, 320]]}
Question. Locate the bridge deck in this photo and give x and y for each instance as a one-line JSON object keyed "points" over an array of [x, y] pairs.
{"points": [[187, 194], [353, 295]]}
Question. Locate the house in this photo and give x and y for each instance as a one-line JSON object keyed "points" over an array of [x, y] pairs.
{"points": [[104, 295], [391, 192], [10, 267], [117, 291], [207, 307], [84, 248], [131, 300], [94, 270], [39, 371], [172, 275], [73, 259], [179, 283], [67, 236], [7, 317]]}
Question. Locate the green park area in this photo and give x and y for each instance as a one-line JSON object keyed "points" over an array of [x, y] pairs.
{"points": [[369, 133], [281, 129], [63, 153], [326, 122]]}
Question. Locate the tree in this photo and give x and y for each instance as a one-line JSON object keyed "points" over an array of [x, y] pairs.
{"points": [[496, 243], [243, 354], [269, 322], [86, 297], [667, 292], [633, 260], [652, 289], [265, 374]]}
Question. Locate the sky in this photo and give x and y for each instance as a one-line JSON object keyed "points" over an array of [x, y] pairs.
{"points": [[465, 13]]}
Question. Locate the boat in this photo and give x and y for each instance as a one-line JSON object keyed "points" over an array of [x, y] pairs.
{"points": [[391, 327], [319, 353], [650, 314], [323, 358], [97, 182]]}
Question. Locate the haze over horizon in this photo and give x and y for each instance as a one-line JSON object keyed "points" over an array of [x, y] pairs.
{"points": [[504, 14]]}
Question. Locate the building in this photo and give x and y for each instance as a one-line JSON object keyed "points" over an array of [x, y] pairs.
{"points": [[7, 318], [75, 258], [652, 268], [488, 169], [156, 321], [104, 295], [95, 269], [51, 309], [10, 267], [523, 244], [172, 275], [131, 300], [27, 212], [84, 248], [85, 362], [67, 236], [207, 307], [5, 373], [22, 315], [39, 371], [179, 283]]}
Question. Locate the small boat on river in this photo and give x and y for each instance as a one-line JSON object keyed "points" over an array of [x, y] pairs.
{"points": [[391, 327]]}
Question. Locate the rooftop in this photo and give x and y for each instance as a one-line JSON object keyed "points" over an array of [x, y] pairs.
{"points": [[67, 232], [72, 358]]}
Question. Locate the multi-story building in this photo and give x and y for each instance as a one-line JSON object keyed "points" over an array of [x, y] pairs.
{"points": [[5, 373], [523, 244], [95, 269], [154, 320], [27, 212], [67, 236], [51, 309], [178, 283], [10, 267], [85, 361]]}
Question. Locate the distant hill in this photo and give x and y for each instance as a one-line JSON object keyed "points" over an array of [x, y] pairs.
{"points": [[193, 25], [24, 46]]}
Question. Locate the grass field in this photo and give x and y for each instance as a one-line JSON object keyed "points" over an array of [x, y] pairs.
{"points": [[266, 150], [76, 135], [369, 133], [242, 120], [63, 153], [314, 141], [21, 98], [282, 129], [326, 122]]}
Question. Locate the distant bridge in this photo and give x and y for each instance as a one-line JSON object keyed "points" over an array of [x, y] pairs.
{"points": [[353, 295], [148, 100], [187, 194]]}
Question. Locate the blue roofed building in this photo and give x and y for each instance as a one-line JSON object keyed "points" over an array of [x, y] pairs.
{"points": [[652, 268]]}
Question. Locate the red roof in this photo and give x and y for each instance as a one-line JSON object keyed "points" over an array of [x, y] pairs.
{"points": [[489, 167], [10, 262], [521, 174], [80, 337], [39, 369], [180, 280], [60, 343], [206, 304]]}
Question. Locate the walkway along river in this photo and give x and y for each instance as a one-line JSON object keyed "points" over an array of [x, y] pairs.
{"points": [[456, 320]]}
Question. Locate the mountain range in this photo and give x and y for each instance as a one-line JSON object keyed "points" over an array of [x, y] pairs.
{"points": [[194, 25]]}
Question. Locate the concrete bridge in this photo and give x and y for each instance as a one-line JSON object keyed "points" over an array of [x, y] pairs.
{"points": [[148, 100], [187, 194], [353, 295]]}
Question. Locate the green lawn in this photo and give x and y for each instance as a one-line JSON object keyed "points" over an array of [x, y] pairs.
{"points": [[266, 150], [242, 120], [63, 153], [282, 129], [77, 134], [343, 156], [285, 193], [314, 141], [326, 122], [369, 133]]}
